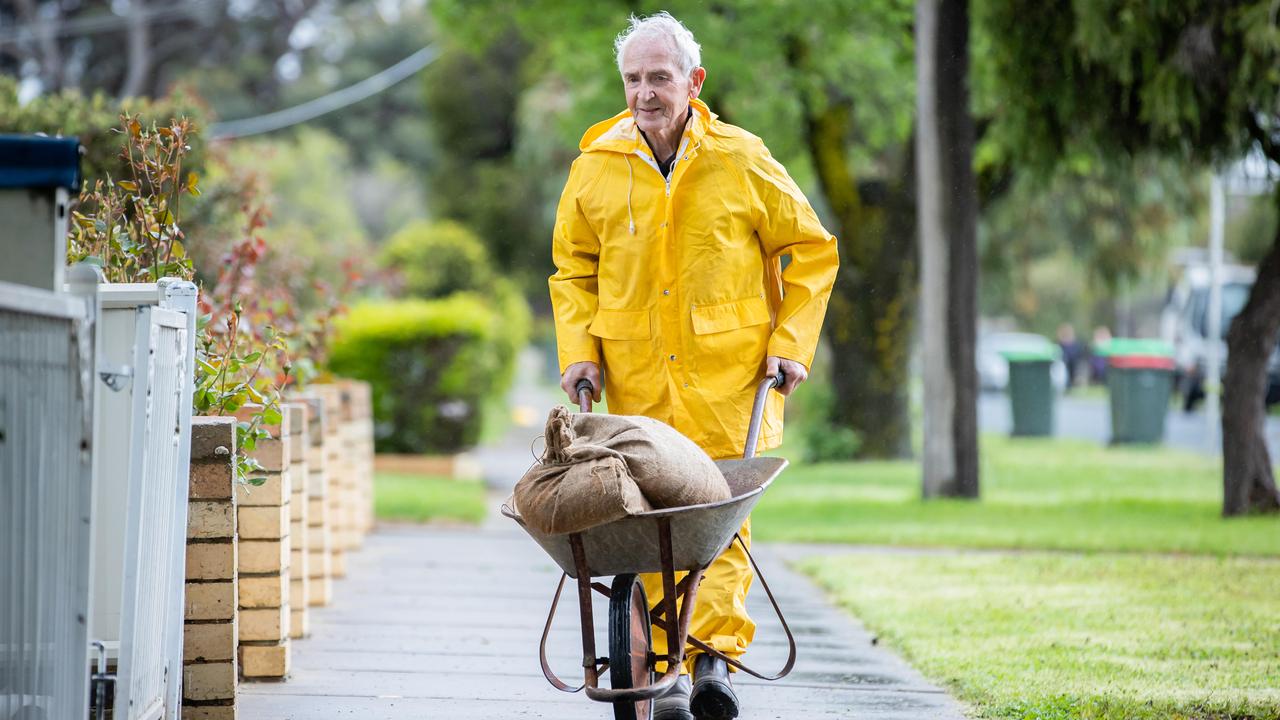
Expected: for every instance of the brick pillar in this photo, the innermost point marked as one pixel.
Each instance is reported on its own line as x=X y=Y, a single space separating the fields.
x=299 y=562
x=317 y=538
x=210 y=632
x=356 y=496
x=263 y=515
x=335 y=465
x=362 y=433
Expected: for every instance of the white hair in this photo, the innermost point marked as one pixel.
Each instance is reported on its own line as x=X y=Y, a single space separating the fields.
x=688 y=53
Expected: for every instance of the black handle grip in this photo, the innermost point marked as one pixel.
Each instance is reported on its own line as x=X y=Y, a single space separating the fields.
x=585 y=384
x=780 y=379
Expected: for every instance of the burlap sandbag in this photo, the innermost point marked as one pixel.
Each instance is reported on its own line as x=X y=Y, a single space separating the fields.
x=599 y=468
x=575 y=487
x=670 y=469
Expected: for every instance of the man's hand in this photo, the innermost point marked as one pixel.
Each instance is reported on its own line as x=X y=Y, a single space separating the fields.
x=579 y=371
x=796 y=372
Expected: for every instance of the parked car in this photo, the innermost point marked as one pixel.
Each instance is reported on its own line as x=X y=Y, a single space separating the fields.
x=1185 y=325
x=993 y=368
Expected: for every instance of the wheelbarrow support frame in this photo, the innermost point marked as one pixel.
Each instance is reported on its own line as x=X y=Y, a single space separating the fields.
x=675 y=624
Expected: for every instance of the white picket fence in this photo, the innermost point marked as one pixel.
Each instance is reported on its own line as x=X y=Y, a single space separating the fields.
x=95 y=433
x=142 y=490
x=46 y=483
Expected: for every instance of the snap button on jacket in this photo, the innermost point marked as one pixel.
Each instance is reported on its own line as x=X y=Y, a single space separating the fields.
x=675 y=286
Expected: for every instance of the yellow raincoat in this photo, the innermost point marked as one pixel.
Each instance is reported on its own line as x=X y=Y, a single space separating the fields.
x=674 y=287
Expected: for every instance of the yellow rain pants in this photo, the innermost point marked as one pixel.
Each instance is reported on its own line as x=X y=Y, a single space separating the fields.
x=720 y=617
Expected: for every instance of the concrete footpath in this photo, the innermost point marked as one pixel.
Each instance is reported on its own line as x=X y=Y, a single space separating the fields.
x=445 y=623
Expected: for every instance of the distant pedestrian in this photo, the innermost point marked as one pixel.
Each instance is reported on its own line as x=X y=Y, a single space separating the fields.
x=1072 y=351
x=1097 y=356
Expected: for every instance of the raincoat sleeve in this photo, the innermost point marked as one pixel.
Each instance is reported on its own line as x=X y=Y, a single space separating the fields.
x=575 y=249
x=787 y=225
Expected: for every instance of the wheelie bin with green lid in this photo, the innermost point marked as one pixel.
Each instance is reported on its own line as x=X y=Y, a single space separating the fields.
x=1031 y=394
x=1139 y=381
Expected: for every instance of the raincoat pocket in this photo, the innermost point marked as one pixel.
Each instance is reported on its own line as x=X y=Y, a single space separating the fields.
x=710 y=319
x=620 y=324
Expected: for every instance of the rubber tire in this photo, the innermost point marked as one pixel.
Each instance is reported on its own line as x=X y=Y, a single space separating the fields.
x=629 y=622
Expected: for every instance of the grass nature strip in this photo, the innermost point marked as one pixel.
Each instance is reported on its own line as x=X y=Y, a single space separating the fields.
x=1049 y=636
x=1036 y=494
x=424 y=498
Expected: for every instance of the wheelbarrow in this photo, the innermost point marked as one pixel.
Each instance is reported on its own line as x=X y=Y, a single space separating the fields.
x=665 y=541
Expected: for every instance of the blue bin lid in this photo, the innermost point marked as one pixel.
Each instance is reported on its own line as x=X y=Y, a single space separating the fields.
x=33 y=161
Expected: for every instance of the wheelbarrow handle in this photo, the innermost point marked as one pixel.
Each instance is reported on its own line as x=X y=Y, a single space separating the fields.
x=585 y=391
x=757 y=411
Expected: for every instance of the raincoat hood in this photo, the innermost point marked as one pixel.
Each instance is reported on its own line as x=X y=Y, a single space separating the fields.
x=620 y=134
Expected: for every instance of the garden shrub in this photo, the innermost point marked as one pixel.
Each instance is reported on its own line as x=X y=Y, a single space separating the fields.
x=93 y=120
x=431 y=364
x=437 y=259
x=441 y=259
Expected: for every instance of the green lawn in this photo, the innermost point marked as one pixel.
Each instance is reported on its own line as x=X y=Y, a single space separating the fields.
x=1036 y=494
x=1049 y=636
x=422 y=498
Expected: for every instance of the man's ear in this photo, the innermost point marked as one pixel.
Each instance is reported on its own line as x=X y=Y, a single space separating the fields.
x=696 y=78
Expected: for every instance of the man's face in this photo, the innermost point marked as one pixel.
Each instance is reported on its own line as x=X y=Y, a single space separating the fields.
x=658 y=93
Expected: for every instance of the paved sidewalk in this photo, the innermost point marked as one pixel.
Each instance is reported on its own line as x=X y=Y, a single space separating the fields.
x=444 y=623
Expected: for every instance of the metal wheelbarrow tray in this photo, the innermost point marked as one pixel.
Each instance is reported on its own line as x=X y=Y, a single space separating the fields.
x=663 y=541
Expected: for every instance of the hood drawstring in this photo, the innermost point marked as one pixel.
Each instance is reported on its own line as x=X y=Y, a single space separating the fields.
x=630 y=182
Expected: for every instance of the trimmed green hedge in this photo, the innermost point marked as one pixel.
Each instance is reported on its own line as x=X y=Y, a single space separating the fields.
x=431 y=364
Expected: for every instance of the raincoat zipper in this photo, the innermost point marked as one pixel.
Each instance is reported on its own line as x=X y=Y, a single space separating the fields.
x=684 y=143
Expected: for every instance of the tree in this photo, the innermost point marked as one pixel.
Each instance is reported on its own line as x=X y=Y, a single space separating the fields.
x=1080 y=244
x=478 y=178
x=78 y=45
x=1193 y=80
x=829 y=89
x=948 y=212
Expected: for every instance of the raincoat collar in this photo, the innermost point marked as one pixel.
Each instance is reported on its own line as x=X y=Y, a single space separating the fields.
x=620 y=134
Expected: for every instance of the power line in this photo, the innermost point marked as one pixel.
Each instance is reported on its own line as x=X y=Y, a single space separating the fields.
x=76 y=27
x=325 y=104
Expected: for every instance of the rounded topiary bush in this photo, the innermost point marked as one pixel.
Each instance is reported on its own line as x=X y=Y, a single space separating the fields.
x=431 y=365
x=438 y=259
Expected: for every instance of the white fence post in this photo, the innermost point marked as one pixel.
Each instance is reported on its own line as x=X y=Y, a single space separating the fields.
x=149 y=334
x=46 y=481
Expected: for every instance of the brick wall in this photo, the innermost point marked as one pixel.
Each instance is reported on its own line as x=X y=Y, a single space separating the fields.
x=263 y=513
x=299 y=562
x=210 y=633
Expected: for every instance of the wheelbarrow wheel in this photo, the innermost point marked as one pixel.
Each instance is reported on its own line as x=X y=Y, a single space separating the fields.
x=629 y=643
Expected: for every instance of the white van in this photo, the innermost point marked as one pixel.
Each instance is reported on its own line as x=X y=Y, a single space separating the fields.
x=1184 y=324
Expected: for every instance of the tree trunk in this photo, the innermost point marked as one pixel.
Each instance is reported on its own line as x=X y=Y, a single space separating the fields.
x=870 y=314
x=139 y=50
x=45 y=32
x=948 y=248
x=1248 y=482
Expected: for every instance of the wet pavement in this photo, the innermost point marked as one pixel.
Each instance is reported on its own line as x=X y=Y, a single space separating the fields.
x=445 y=623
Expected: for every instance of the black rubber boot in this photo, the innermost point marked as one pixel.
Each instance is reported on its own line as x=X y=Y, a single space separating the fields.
x=674 y=703
x=712 y=697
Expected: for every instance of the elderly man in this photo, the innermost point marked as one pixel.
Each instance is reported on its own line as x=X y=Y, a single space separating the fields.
x=669 y=285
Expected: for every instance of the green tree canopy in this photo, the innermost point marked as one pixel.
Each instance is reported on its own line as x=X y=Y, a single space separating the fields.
x=1194 y=80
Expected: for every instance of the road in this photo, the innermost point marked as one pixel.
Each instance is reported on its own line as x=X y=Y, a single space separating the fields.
x=1090 y=419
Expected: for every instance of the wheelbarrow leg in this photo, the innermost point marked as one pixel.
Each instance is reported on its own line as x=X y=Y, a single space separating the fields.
x=670 y=618
x=590 y=664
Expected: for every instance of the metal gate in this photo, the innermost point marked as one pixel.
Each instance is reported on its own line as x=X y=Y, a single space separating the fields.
x=155 y=542
x=46 y=498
